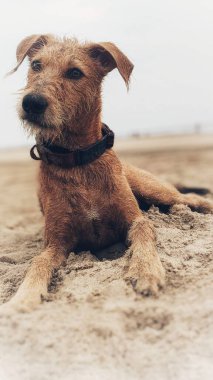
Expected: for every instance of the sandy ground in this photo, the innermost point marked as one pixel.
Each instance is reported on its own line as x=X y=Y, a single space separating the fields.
x=94 y=326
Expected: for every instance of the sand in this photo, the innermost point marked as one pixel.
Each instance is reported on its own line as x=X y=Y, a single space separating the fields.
x=93 y=326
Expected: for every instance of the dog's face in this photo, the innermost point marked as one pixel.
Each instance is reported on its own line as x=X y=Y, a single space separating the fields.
x=64 y=80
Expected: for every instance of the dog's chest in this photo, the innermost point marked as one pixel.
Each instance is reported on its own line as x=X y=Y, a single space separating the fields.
x=89 y=206
x=95 y=218
x=92 y=213
x=89 y=202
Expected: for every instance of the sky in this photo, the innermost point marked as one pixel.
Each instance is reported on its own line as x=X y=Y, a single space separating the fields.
x=170 y=43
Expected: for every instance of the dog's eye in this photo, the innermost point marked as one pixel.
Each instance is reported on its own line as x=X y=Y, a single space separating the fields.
x=74 y=74
x=36 y=66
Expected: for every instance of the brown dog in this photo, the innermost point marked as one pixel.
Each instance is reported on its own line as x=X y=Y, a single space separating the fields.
x=89 y=199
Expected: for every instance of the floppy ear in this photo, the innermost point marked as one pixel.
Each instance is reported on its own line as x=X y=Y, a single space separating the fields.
x=29 y=46
x=109 y=57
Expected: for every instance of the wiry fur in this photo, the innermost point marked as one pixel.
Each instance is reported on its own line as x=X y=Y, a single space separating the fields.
x=95 y=205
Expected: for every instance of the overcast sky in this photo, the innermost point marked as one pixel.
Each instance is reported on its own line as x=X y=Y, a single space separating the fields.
x=169 y=41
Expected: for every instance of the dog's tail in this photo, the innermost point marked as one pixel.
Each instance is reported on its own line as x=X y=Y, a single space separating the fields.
x=188 y=189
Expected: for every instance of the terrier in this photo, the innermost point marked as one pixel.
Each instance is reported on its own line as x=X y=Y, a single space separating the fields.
x=90 y=200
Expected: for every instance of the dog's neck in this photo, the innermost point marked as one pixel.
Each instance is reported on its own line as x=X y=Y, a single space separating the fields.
x=83 y=131
x=87 y=133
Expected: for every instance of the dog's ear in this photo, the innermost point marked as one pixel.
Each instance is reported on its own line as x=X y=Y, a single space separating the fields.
x=29 y=46
x=109 y=57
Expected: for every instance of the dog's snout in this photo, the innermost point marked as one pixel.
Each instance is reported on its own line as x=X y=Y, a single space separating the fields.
x=33 y=103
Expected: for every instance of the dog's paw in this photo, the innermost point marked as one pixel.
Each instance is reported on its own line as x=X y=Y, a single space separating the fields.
x=145 y=279
x=199 y=204
x=20 y=304
x=207 y=207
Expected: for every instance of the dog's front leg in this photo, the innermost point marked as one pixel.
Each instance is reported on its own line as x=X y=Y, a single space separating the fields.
x=36 y=282
x=145 y=272
x=59 y=241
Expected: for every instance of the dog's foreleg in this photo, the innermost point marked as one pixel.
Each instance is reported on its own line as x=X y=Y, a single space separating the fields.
x=145 y=272
x=36 y=282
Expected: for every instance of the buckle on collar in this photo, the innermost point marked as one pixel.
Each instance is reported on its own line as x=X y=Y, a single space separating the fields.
x=33 y=155
x=41 y=155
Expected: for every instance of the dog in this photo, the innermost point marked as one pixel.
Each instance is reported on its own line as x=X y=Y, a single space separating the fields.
x=90 y=200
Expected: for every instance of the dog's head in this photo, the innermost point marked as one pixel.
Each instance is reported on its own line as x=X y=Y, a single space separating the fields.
x=64 y=81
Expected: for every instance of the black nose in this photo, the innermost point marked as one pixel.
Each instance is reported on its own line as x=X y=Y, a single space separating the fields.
x=33 y=103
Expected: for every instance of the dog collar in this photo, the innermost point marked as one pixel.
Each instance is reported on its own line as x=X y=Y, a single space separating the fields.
x=65 y=158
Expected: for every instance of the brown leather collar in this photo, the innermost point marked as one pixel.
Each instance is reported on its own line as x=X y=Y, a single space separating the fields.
x=65 y=158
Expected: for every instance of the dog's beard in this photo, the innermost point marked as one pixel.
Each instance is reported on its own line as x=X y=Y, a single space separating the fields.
x=35 y=120
x=41 y=132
